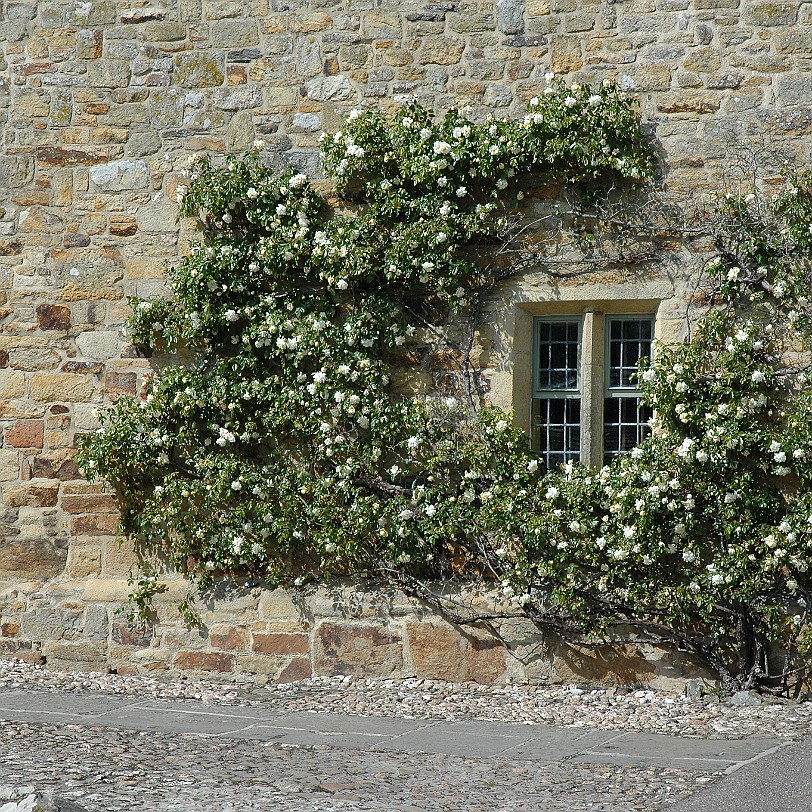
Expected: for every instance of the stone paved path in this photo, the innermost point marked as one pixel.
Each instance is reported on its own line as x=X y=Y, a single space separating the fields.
x=116 y=753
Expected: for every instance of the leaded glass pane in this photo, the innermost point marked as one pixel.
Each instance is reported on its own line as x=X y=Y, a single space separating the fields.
x=625 y=418
x=629 y=341
x=557 y=429
x=556 y=355
x=625 y=425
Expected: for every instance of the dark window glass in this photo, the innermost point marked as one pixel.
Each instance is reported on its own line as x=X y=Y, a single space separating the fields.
x=629 y=341
x=557 y=429
x=557 y=355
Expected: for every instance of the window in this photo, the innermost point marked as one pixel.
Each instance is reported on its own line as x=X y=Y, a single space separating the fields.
x=585 y=402
x=625 y=418
x=557 y=390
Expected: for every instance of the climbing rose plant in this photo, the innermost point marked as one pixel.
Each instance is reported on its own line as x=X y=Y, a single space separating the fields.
x=279 y=448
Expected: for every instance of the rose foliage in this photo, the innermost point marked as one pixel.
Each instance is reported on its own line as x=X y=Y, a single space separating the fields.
x=280 y=449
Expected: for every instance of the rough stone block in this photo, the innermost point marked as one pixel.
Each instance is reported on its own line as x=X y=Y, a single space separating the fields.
x=700 y=104
x=441 y=51
x=297 y=669
x=326 y=88
x=145 y=268
x=440 y=652
x=233 y=33
x=794 y=41
x=310 y=23
x=31 y=494
x=106 y=590
x=143 y=143
x=198 y=69
x=510 y=16
x=203 y=661
x=309 y=122
x=122 y=225
x=565 y=53
x=9 y=629
x=231 y=638
x=88 y=502
x=773 y=13
x=12 y=384
x=278 y=603
x=30 y=558
x=30 y=359
x=94 y=524
x=381 y=25
x=164 y=31
x=108 y=73
x=120 y=383
x=100 y=345
x=266 y=667
x=57 y=465
x=89 y=44
x=26 y=434
x=53 y=317
x=9 y=465
x=84 y=562
x=653 y=77
x=117 y=176
x=120 y=558
x=238 y=97
x=157 y=217
x=280 y=643
x=136 y=636
x=359 y=650
x=50 y=387
x=624 y=665
x=79 y=655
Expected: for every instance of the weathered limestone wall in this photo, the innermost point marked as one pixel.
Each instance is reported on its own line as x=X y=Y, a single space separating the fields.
x=101 y=103
x=285 y=636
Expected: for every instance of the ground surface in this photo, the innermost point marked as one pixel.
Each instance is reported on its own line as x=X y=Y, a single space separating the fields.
x=114 y=743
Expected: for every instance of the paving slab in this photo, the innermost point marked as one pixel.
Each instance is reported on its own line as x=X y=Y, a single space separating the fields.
x=163 y=721
x=542 y=744
x=438 y=739
x=349 y=723
x=309 y=738
x=42 y=702
x=224 y=711
x=551 y=744
x=654 y=750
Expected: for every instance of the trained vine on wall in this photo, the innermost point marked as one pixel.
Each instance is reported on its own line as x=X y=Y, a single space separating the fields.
x=281 y=450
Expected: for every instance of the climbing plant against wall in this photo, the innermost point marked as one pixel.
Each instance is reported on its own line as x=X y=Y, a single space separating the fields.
x=278 y=447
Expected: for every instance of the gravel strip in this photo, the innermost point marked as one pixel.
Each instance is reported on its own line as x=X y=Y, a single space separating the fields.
x=569 y=706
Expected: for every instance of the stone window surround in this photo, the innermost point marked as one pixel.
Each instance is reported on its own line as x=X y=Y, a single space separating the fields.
x=593 y=315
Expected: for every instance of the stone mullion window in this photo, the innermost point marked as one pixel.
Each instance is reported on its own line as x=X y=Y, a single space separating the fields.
x=584 y=401
x=556 y=418
x=625 y=417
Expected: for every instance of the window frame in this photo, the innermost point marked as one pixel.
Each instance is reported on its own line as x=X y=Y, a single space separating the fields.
x=618 y=392
x=594 y=365
x=565 y=394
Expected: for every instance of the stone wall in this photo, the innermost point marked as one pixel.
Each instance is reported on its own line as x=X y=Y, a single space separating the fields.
x=285 y=636
x=100 y=105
